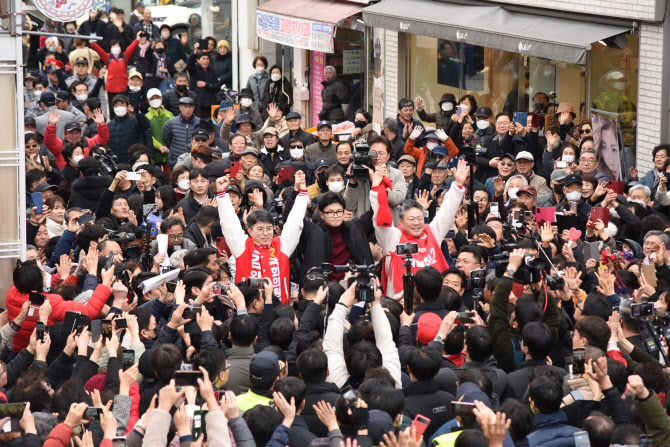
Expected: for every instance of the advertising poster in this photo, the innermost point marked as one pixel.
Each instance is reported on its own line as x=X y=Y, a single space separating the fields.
x=606 y=144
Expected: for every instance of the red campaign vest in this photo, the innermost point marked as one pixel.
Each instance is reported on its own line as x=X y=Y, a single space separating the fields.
x=429 y=254
x=265 y=262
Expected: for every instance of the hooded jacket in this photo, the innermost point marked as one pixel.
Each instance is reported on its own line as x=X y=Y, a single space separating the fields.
x=223 y=67
x=158 y=118
x=86 y=191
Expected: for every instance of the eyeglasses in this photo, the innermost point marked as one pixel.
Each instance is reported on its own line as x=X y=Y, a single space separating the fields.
x=583 y=131
x=175 y=237
x=32 y=146
x=201 y=140
x=411 y=220
x=266 y=230
x=296 y=147
x=336 y=213
x=506 y=164
x=588 y=160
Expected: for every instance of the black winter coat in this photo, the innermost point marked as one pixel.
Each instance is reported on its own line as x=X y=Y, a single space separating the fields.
x=223 y=67
x=190 y=206
x=316 y=392
x=123 y=133
x=280 y=92
x=86 y=191
x=333 y=96
x=171 y=100
x=207 y=94
x=426 y=399
x=316 y=244
x=306 y=137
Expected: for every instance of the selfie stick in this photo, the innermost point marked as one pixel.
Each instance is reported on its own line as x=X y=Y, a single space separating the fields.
x=408 y=284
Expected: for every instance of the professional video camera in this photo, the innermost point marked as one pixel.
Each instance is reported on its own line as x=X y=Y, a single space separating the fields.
x=476 y=282
x=529 y=272
x=361 y=160
x=470 y=151
x=121 y=237
x=362 y=275
x=108 y=161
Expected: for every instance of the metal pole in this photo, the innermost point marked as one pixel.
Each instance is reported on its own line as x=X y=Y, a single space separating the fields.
x=75 y=36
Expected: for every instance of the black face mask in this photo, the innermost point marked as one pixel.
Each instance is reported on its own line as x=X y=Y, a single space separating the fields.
x=181 y=88
x=360 y=124
x=558 y=189
x=160 y=50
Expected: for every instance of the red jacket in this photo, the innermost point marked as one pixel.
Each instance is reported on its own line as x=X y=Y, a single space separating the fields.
x=420 y=153
x=55 y=144
x=15 y=300
x=117 y=68
x=61 y=435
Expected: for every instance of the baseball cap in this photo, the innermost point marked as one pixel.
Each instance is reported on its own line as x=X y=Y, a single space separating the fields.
x=62 y=96
x=469 y=392
x=116 y=98
x=45 y=187
x=324 y=123
x=250 y=151
x=572 y=178
x=201 y=133
x=264 y=366
x=440 y=150
x=51 y=69
x=293 y=116
x=233 y=188
x=139 y=5
x=47 y=98
x=528 y=189
x=507 y=155
x=428 y=325
x=135 y=73
x=186 y=100
x=441 y=165
x=558 y=174
x=271 y=131
x=81 y=60
x=525 y=155
x=154 y=92
x=29 y=121
x=31 y=75
x=408 y=158
x=485 y=112
x=321 y=163
x=225 y=105
x=72 y=126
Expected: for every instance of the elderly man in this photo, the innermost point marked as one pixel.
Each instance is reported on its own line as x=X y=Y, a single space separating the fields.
x=524 y=166
x=357 y=195
x=324 y=148
x=554 y=197
x=588 y=164
x=147 y=26
x=506 y=167
x=293 y=122
x=333 y=96
x=178 y=131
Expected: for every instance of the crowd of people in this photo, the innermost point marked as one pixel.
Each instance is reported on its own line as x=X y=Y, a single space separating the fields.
x=200 y=271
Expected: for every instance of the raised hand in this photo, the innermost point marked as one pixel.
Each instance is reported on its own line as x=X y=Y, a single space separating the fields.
x=222 y=183
x=605 y=281
x=441 y=134
x=419 y=103
x=230 y=115
x=272 y=111
x=462 y=173
x=300 y=182
x=422 y=198
x=416 y=133
x=54 y=117
x=98 y=117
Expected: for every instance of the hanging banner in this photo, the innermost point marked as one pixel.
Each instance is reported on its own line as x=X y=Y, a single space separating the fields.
x=317 y=63
x=294 y=32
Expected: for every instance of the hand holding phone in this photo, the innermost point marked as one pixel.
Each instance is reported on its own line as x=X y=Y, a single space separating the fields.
x=234 y=169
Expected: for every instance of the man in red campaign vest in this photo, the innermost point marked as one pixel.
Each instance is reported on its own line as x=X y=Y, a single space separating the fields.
x=412 y=228
x=263 y=255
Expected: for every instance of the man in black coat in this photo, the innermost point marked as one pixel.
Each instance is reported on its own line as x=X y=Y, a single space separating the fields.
x=333 y=239
x=86 y=191
x=293 y=122
x=312 y=365
x=428 y=282
x=294 y=388
x=171 y=97
x=119 y=30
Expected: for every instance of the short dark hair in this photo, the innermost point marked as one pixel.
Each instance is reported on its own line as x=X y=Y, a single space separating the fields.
x=212 y=359
x=88 y=166
x=539 y=339
x=454 y=342
x=424 y=362
x=455 y=271
x=199 y=257
x=471 y=437
x=250 y=295
x=89 y=234
x=526 y=311
x=546 y=393
x=361 y=357
x=428 y=283
x=329 y=198
x=243 y=330
x=383 y=140
x=335 y=170
x=194 y=276
x=522 y=418
x=281 y=332
x=259 y=216
x=485 y=229
x=312 y=365
x=143 y=315
x=195 y=173
x=479 y=343
x=292 y=387
x=450 y=299
x=262 y=422
x=595 y=330
x=474 y=250
x=405 y=102
x=596 y=305
x=165 y=360
x=172 y=222
x=265 y=62
x=626 y=434
x=27 y=276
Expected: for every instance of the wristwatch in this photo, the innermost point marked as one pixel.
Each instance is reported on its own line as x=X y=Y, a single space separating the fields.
x=510 y=272
x=439 y=338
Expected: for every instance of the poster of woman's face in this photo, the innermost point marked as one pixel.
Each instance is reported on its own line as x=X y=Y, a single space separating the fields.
x=606 y=144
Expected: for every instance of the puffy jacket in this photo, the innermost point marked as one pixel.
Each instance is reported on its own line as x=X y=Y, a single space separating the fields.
x=171 y=100
x=420 y=154
x=552 y=430
x=86 y=191
x=117 y=68
x=441 y=118
x=123 y=133
x=55 y=144
x=177 y=135
x=158 y=118
x=424 y=397
x=15 y=300
x=189 y=206
x=333 y=96
x=257 y=85
x=223 y=67
x=206 y=94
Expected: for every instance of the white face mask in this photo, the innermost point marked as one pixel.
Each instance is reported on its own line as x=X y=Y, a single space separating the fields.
x=184 y=185
x=296 y=154
x=618 y=86
x=134 y=88
x=76 y=159
x=106 y=20
x=482 y=125
x=246 y=102
x=260 y=70
x=155 y=103
x=511 y=193
x=568 y=158
x=275 y=77
x=120 y=111
x=465 y=108
x=447 y=106
x=644 y=205
x=116 y=51
x=82 y=97
x=38 y=93
x=335 y=187
x=431 y=145
x=574 y=196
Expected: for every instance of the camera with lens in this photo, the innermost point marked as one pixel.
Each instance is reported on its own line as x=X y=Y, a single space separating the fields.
x=365 y=287
x=641 y=310
x=278 y=220
x=361 y=161
x=108 y=162
x=555 y=282
x=121 y=237
x=470 y=152
x=529 y=272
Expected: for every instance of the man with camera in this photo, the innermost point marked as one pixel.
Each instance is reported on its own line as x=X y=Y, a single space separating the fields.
x=357 y=195
x=413 y=230
x=263 y=255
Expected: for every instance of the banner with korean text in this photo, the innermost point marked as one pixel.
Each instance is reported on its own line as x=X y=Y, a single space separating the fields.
x=295 y=32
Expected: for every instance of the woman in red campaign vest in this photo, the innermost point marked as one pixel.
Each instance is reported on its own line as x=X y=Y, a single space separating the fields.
x=263 y=255
x=413 y=229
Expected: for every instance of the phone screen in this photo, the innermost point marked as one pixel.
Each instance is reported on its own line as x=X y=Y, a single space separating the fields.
x=582 y=439
x=578 y=361
x=15 y=412
x=36 y=298
x=128 y=359
x=187 y=378
x=494 y=207
x=93 y=414
x=39 y=327
x=84 y=219
x=106 y=329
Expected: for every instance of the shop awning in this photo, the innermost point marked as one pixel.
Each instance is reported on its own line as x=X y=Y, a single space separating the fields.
x=492 y=26
x=308 y=24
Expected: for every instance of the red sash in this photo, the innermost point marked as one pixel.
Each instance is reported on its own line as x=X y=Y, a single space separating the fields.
x=265 y=262
x=429 y=254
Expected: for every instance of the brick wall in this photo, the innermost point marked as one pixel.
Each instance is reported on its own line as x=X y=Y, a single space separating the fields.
x=627 y=9
x=649 y=94
x=390 y=64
